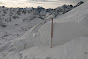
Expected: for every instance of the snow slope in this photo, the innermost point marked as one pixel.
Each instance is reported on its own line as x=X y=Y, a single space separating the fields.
x=70 y=40
x=66 y=27
x=14 y=22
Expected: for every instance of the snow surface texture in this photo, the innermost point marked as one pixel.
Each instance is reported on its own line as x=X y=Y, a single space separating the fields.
x=70 y=40
x=14 y=22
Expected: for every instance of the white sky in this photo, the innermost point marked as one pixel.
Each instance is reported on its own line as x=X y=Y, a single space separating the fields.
x=35 y=3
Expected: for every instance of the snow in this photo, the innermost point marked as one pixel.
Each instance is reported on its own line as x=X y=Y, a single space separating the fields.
x=74 y=49
x=70 y=40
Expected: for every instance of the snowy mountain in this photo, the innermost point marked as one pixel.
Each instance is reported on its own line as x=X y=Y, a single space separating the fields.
x=25 y=32
x=14 y=22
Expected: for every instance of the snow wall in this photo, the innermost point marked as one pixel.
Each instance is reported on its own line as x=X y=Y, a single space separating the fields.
x=62 y=32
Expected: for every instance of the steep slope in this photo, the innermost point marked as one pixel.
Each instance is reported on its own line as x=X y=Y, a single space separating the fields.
x=66 y=27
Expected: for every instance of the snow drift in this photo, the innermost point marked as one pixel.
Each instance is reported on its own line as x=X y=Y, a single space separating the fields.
x=70 y=38
x=66 y=27
x=63 y=32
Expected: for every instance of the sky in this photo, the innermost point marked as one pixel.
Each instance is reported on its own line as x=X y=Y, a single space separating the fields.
x=35 y=3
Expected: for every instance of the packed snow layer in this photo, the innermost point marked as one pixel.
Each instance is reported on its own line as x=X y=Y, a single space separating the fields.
x=70 y=38
x=63 y=32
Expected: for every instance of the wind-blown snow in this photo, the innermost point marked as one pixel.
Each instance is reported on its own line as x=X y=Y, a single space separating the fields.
x=70 y=40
